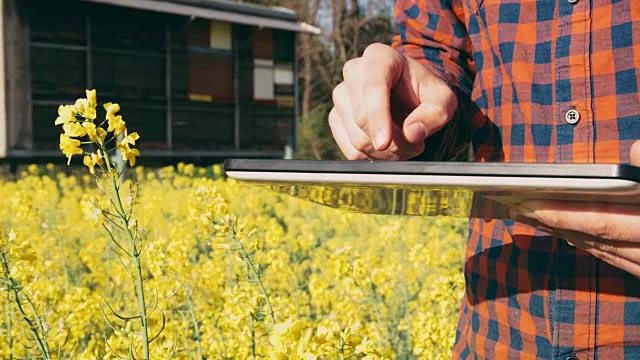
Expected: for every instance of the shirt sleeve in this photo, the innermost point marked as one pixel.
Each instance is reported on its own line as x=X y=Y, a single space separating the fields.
x=433 y=32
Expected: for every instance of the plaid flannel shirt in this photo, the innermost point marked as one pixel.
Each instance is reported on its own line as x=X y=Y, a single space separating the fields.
x=545 y=81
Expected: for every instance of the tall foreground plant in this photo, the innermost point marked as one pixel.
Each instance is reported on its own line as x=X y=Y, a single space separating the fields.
x=85 y=135
x=17 y=274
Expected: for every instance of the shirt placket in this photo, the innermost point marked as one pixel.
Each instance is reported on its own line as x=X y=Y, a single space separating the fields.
x=575 y=298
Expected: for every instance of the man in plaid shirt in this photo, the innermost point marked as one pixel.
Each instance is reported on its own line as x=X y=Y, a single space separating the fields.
x=540 y=81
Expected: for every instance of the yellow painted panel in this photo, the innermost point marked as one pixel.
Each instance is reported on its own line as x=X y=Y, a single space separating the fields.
x=200 y=97
x=285 y=101
x=220 y=35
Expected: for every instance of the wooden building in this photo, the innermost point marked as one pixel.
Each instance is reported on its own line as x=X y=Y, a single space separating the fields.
x=198 y=79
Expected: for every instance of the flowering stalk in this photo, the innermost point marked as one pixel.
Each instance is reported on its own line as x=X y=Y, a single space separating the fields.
x=196 y=328
x=255 y=272
x=15 y=293
x=117 y=215
x=9 y=326
x=136 y=255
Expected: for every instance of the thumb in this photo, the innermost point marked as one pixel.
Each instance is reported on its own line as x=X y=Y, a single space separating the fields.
x=635 y=153
x=424 y=121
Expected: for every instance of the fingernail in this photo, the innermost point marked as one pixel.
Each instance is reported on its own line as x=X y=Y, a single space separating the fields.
x=379 y=139
x=416 y=132
x=564 y=236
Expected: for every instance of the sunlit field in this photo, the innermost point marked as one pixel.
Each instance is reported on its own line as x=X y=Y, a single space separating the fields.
x=230 y=271
x=109 y=262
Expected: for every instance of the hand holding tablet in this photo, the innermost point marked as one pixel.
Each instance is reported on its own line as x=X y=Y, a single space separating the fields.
x=609 y=231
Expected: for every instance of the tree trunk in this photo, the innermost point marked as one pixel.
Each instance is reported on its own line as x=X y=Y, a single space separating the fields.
x=307 y=76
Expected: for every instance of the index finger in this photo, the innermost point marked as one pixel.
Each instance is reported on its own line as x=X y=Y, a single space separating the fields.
x=383 y=67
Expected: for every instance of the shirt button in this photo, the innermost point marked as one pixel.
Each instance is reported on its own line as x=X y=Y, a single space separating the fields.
x=572 y=357
x=572 y=116
x=572 y=1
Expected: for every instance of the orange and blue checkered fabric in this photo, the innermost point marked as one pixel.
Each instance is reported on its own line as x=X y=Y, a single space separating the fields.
x=521 y=66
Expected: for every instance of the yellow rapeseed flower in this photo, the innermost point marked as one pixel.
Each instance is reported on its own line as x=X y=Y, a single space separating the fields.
x=323 y=335
x=93 y=131
x=130 y=156
x=84 y=108
x=111 y=108
x=74 y=129
x=116 y=124
x=87 y=107
x=129 y=139
x=66 y=114
x=286 y=332
x=92 y=160
x=33 y=169
x=70 y=147
x=92 y=98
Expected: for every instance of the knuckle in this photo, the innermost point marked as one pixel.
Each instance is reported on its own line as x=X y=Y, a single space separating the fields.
x=338 y=94
x=362 y=143
x=349 y=70
x=333 y=117
x=361 y=117
x=376 y=49
x=439 y=112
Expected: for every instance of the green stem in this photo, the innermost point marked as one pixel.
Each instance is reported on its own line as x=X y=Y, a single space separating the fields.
x=39 y=323
x=136 y=254
x=196 y=328
x=9 y=326
x=246 y=257
x=185 y=337
x=143 y=308
x=253 y=338
x=32 y=327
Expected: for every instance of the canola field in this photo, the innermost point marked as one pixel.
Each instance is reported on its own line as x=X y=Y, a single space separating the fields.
x=181 y=263
x=230 y=271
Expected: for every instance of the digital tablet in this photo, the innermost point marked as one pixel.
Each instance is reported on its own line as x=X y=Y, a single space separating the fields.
x=437 y=188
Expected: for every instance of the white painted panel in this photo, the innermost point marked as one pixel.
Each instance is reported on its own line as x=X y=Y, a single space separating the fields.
x=263 y=87
x=263 y=62
x=283 y=75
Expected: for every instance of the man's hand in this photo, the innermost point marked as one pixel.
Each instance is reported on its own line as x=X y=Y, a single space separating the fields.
x=607 y=231
x=388 y=105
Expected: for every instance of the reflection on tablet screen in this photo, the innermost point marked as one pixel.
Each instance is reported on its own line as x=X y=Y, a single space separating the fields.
x=383 y=200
